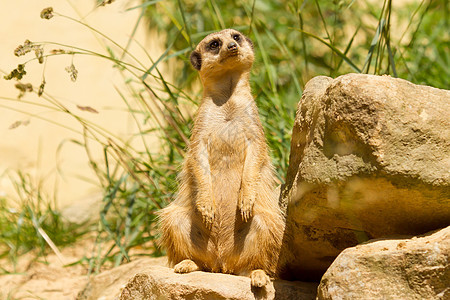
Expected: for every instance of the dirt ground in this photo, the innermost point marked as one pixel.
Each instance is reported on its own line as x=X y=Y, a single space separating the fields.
x=47 y=278
x=63 y=276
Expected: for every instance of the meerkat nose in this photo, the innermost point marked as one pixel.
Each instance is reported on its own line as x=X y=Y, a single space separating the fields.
x=232 y=46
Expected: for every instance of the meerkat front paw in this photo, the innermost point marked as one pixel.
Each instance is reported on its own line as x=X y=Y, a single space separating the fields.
x=246 y=202
x=259 y=278
x=186 y=266
x=207 y=212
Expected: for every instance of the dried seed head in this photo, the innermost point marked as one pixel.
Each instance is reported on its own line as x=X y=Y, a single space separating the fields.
x=88 y=109
x=17 y=73
x=47 y=13
x=104 y=2
x=18 y=123
x=24 y=49
x=73 y=72
x=23 y=88
x=58 y=51
x=39 y=51
x=15 y=125
x=20 y=51
x=28 y=47
x=41 y=87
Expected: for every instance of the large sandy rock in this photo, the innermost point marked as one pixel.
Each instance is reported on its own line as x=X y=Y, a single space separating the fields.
x=417 y=268
x=370 y=158
x=148 y=279
x=163 y=283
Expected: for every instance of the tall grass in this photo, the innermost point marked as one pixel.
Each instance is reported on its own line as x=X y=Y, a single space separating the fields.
x=136 y=182
x=294 y=41
x=34 y=224
x=297 y=40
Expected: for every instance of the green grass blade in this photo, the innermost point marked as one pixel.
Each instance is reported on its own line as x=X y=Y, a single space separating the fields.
x=144 y=5
x=334 y=49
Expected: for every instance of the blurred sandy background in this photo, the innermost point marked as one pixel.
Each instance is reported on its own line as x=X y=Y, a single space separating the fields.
x=42 y=149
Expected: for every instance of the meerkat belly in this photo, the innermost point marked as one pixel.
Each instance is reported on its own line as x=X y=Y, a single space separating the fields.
x=226 y=158
x=226 y=149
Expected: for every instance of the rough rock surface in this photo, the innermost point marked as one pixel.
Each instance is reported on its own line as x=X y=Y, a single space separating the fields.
x=417 y=268
x=148 y=278
x=370 y=158
x=108 y=284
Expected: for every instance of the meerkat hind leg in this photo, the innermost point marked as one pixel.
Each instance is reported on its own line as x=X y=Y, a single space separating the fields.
x=259 y=278
x=186 y=266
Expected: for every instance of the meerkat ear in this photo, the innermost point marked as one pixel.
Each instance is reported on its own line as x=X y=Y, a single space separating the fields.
x=196 y=60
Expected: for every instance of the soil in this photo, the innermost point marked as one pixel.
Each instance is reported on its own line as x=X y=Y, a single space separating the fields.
x=46 y=277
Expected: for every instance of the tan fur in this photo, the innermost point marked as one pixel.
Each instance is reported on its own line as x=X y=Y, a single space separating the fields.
x=225 y=217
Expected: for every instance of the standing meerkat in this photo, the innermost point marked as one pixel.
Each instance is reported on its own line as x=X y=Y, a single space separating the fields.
x=225 y=217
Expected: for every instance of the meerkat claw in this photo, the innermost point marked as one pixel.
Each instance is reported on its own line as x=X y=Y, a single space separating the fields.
x=208 y=221
x=246 y=210
x=207 y=213
x=244 y=215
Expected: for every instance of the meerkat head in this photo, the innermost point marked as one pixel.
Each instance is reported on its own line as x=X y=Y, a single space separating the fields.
x=226 y=50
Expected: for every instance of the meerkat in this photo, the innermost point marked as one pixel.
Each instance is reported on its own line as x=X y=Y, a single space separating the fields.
x=225 y=217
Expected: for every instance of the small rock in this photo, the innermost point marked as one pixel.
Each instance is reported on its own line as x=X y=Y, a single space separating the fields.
x=418 y=269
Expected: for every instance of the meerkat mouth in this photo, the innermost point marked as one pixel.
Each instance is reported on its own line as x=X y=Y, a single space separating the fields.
x=230 y=54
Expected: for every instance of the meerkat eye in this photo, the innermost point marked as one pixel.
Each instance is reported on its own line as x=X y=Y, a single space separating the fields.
x=214 y=44
x=236 y=37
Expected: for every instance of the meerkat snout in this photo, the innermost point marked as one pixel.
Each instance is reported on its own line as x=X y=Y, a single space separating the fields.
x=232 y=46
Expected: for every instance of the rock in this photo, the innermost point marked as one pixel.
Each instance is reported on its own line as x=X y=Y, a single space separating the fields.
x=148 y=278
x=108 y=284
x=163 y=282
x=370 y=158
x=417 y=268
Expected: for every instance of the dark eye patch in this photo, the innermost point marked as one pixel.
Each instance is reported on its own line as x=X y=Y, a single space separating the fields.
x=214 y=44
x=236 y=37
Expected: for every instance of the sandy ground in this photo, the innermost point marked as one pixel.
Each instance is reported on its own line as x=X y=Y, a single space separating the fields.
x=46 y=278
x=59 y=277
x=42 y=149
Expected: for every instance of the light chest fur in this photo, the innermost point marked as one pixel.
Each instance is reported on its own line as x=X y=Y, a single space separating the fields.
x=228 y=130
